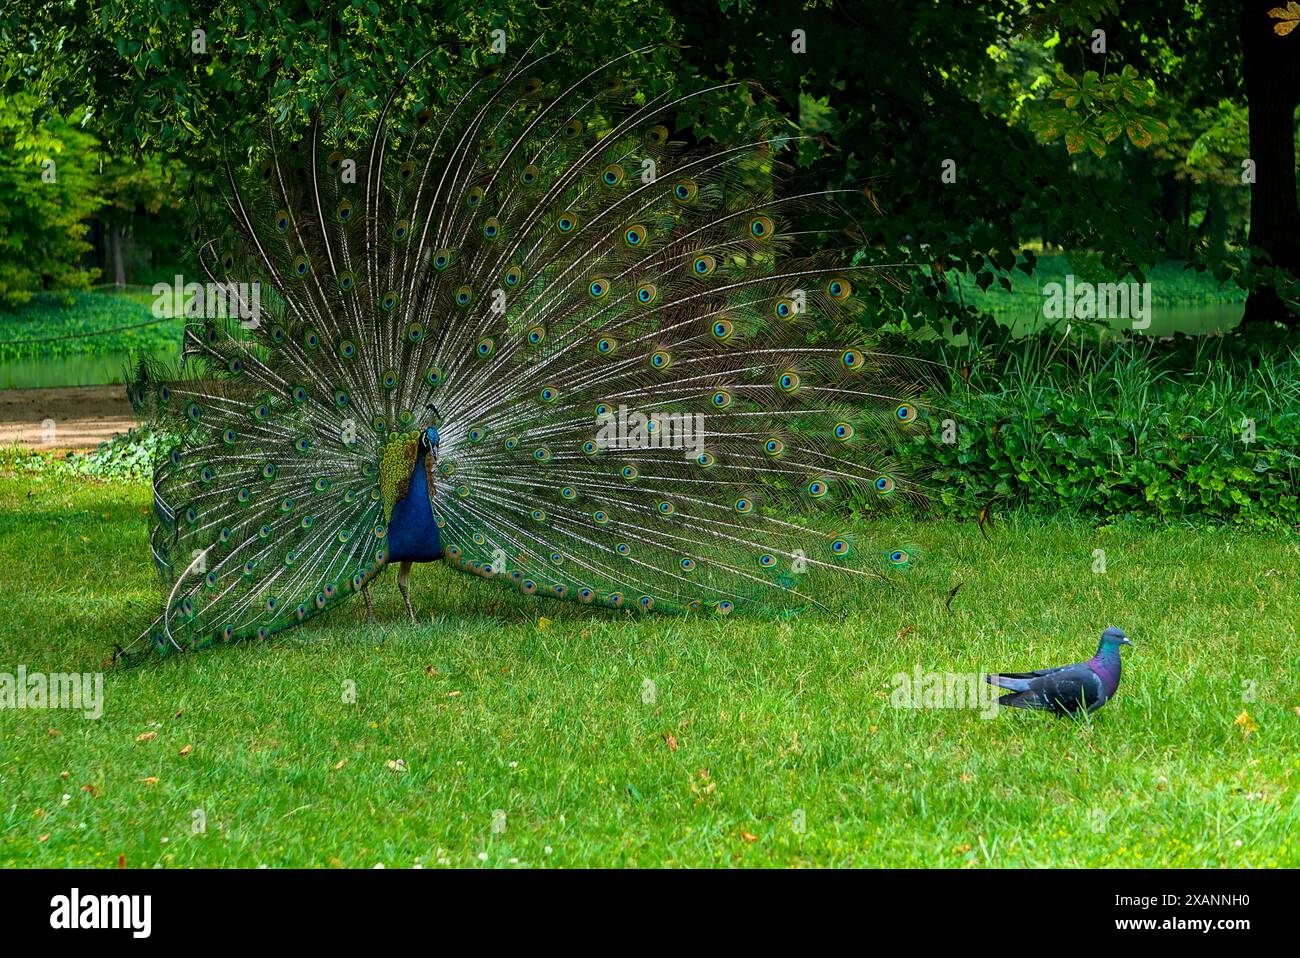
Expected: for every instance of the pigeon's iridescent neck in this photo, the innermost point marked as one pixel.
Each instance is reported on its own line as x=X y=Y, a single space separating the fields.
x=1107 y=664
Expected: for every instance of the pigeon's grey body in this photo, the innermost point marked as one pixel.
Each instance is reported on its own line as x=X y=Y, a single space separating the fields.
x=1067 y=689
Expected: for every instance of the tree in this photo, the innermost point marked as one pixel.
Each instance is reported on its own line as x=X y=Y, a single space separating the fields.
x=48 y=189
x=1271 y=68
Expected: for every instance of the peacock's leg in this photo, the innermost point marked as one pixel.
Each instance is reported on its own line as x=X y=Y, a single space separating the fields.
x=370 y=609
x=403 y=574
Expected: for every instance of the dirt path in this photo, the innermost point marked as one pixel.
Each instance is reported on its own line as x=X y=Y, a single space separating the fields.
x=67 y=417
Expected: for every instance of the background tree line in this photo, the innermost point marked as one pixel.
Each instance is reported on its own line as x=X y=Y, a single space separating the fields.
x=975 y=132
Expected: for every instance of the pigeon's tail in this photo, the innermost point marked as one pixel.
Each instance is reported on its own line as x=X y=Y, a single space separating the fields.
x=1015 y=684
x=1021 y=700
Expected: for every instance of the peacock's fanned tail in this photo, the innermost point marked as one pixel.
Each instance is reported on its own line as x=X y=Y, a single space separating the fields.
x=644 y=399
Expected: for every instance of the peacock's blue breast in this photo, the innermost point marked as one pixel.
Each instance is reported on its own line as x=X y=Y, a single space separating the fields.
x=412 y=531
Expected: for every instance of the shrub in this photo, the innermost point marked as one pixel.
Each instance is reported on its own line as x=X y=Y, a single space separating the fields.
x=1126 y=432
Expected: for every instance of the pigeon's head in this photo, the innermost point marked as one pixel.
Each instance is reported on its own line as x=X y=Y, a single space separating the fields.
x=1113 y=638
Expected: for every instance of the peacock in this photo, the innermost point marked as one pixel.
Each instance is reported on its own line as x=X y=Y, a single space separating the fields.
x=517 y=326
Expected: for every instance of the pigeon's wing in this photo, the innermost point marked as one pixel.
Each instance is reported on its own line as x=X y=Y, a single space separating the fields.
x=1067 y=689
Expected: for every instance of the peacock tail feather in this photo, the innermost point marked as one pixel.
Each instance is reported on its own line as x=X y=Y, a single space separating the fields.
x=644 y=398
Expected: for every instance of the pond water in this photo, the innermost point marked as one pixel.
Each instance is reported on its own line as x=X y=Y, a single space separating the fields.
x=68 y=370
x=111 y=367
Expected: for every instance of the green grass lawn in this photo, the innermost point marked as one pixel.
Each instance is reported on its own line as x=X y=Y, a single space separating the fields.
x=526 y=738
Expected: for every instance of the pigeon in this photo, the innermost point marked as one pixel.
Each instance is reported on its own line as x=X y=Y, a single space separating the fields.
x=1067 y=689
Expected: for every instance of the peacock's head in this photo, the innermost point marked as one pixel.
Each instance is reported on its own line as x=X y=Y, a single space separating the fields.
x=429 y=439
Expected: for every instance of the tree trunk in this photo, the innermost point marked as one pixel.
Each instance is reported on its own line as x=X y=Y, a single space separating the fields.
x=1270 y=66
x=119 y=261
x=1214 y=228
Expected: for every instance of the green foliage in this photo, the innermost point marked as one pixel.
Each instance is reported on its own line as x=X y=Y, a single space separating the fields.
x=1095 y=111
x=78 y=324
x=161 y=85
x=1123 y=433
x=128 y=455
x=46 y=189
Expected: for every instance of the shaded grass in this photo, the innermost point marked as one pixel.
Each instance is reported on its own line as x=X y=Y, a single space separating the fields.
x=774 y=722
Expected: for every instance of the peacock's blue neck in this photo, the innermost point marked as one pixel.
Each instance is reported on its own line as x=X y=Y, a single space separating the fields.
x=412 y=532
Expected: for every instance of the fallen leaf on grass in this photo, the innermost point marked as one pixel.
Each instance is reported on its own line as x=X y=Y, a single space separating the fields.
x=396 y=764
x=748 y=837
x=339 y=764
x=1246 y=724
x=146 y=736
x=94 y=792
x=186 y=750
x=44 y=838
x=151 y=780
x=672 y=742
x=453 y=695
